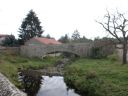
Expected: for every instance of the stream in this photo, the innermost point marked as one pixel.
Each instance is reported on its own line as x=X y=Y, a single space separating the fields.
x=55 y=86
x=35 y=84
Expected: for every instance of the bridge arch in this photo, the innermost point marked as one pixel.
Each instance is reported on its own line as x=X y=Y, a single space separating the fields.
x=63 y=53
x=80 y=49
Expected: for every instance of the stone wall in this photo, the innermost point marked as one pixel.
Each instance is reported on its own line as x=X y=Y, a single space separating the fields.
x=8 y=89
x=119 y=51
x=10 y=50
x=80 y=49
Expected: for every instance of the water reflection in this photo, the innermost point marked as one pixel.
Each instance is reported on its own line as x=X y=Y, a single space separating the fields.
x=31 y=84
x=55 y=86
x=35 y=85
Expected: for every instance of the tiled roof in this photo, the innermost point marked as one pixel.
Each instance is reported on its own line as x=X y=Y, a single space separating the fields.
x=47 y=41
x=3 y=35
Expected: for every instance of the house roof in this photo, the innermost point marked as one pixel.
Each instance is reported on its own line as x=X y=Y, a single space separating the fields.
x=47 y=40
x=3 y=35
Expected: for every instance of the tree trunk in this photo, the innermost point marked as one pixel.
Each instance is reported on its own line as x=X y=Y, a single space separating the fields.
x=124 y=53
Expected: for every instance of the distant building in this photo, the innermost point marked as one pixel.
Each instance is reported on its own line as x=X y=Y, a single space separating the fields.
x=2 y=37
x=44 y=42
x=41 y=40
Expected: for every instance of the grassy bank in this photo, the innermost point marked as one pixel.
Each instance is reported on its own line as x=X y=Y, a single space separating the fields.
x=93 y=77
x=9 y=63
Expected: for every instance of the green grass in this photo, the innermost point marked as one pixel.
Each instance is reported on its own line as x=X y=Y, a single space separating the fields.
x=91 y=77
x=98 y=77
x=9 y=64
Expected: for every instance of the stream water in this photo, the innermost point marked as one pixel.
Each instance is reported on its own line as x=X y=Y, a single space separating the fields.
x=35 y=85
x=55 y=86
x=45 y=86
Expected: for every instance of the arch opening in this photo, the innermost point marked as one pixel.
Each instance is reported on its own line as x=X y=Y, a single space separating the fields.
x=64 y=54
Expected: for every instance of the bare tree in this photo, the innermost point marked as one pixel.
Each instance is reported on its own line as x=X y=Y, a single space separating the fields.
x=117 y=25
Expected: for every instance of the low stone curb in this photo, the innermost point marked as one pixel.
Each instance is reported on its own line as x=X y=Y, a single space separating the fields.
x=8 y=89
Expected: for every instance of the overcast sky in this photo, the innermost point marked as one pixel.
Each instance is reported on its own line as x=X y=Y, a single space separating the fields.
x=59 y=17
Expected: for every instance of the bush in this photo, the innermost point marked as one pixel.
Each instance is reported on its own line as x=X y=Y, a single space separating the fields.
x=97 y=53
x=102 y=48
x=91 y=75
x=10 y=41
x=113 y=57
x=84 y=83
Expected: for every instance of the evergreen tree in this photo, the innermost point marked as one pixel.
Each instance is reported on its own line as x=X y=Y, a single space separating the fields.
x=64 y=39
x=30 y=27
x=10 y=41
x=84 y=40
x=75 y=35
x=48 y=36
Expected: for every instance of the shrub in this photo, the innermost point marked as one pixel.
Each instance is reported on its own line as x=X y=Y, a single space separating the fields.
x=84 y=83
x=113 y=57
x=97 y=53
x=10 y=41
x=102 y=48
x=91 y=75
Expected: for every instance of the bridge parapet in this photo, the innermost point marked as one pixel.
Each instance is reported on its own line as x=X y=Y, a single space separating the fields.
x=80 y=49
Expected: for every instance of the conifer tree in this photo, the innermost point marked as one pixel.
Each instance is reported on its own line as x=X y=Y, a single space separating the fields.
x=75 y=35
x=30 y=27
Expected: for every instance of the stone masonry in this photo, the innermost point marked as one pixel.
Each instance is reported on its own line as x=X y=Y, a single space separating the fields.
x=8 y=89
x=80 y=49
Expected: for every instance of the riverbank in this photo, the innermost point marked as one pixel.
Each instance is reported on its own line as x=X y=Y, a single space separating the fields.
x=90 y=77
x=9 y=64
x=98 y=77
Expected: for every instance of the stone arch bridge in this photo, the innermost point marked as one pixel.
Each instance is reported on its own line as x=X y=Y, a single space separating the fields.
x=80 y=49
